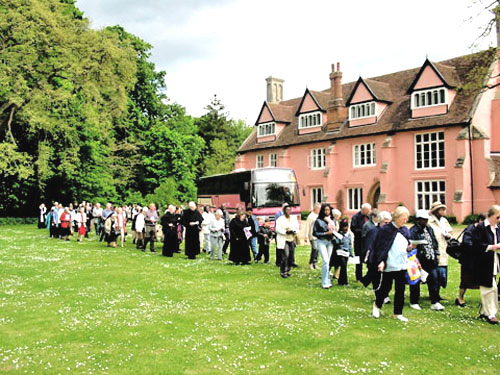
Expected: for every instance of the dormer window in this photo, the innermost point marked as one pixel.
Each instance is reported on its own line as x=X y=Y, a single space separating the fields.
x=429 y=98
x=266 y=129
x=309 y=120
x=362 y=110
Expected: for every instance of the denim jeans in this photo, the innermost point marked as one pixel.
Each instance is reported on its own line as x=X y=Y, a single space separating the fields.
x=443 y=276
x=313 y=259
x=253 y=246
x=432 y=285
x=325 y=248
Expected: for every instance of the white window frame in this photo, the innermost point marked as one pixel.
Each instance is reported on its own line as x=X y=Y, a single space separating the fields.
x=317 y=158
x=369 y=108
x=273 y=159
x=424 y=94
x=310 y=120
x=354 y=198
x=437 y=192
x=314 y=195
x=369 y=151
x=259 y=161
x=429 y=152
x=266 y=129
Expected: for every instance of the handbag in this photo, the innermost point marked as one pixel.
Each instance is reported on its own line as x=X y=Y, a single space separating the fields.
x=413 y=272
x=454 y=248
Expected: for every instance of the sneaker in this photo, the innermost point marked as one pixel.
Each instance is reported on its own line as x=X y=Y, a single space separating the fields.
x=437 y=306
x=416 y=306
x=375 y=311
x=401 y=318
x=387 y=300
x=311 y=266
x=327 y=286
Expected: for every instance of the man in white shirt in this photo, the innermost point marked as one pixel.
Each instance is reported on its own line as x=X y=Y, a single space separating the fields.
x=311 y=218
x=287 y=228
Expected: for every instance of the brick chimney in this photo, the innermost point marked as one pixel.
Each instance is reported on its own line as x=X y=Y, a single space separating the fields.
x=337 y=111
x=274 y=89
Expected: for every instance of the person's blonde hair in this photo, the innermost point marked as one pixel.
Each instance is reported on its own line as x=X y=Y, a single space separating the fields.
x=494 y=210
x=399 y=211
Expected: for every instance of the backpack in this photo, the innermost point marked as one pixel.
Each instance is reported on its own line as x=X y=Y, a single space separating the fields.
x=108 y=224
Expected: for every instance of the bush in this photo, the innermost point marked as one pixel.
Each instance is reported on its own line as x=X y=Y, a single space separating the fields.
x=304 y=215
x=18 y=220
x=470 y=219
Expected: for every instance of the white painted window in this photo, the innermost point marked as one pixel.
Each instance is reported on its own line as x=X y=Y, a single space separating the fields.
x=429 y=150
x=364 y=155
x=260 y=161
x=269 y=128
x=316 y=196
x=362 y=110
x=273 y=160
x=354 y=199
x=317 y=159
x=309 y=120
x=427 y=192
x=429 y=98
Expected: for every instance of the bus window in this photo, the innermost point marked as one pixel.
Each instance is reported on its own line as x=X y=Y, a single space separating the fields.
x=274 y=194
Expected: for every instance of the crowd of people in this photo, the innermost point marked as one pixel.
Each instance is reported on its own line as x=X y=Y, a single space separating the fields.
x=379 y=243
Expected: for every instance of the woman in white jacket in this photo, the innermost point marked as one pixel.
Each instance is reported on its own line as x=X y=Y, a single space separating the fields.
x=287 y=228
x=140 y=223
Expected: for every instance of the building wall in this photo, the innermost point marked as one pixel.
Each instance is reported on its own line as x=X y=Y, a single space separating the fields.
x=394 y=171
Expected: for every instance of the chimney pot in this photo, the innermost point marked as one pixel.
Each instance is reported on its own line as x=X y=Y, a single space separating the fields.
x=338 y=67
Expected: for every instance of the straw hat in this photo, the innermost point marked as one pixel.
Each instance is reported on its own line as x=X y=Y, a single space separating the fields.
x=436 y=206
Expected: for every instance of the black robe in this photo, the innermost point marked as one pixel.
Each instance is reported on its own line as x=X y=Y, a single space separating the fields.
x=169 y=224
x=240 y=249
x=192 y=240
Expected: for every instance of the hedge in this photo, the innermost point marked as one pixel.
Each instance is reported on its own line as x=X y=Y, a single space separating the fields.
x=18 y=220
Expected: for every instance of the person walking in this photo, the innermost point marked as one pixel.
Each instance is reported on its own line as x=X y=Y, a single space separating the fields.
x=150 y=219
x=344 y=250
x=265 y=235
x=121 y=224
x=357 y=223
x=65 y=227
x=208 y=217
x=389 y=256
x=169 y=223
x=81 y=223
x=486 y=247
x=240 y=236
x=140 y=227
x=466 y=261
x=42 y=216
x=254 y=229
x=287 y=228
x=227 y=232
x=191 y=220
x=217 y=227
x=428 y=255
x=323 y=232
x=309 y=236
x=442 y=230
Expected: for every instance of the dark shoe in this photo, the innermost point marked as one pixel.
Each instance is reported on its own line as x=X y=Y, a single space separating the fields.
x=442 y=298
x=295 y=265
x=492 y=321
x=457 y=302
x=284 y=275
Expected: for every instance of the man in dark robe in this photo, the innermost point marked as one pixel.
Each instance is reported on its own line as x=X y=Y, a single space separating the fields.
x=191 y=220
x=169 y=223
x=240 y=234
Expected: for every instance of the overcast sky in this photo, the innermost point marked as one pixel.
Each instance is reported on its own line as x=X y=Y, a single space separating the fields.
x=229 y=47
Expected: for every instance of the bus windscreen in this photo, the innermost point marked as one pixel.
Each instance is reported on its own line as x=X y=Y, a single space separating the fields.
x=266 y=194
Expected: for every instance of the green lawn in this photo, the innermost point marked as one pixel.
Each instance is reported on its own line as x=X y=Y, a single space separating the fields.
x=71 y=308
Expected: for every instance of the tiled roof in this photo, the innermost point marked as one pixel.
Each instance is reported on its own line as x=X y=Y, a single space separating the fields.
x=397 y=116
x=495 y=168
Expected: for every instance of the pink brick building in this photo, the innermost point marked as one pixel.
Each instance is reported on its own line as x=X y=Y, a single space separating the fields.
x=413 y=137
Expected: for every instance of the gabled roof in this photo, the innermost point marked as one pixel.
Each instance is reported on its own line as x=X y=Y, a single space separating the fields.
x=445 y=72
x=279 y=113
x=307 y=92
x=397 y=116
x=381 y=91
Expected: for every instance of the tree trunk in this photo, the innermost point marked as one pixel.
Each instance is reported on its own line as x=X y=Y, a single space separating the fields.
x=9 y=123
